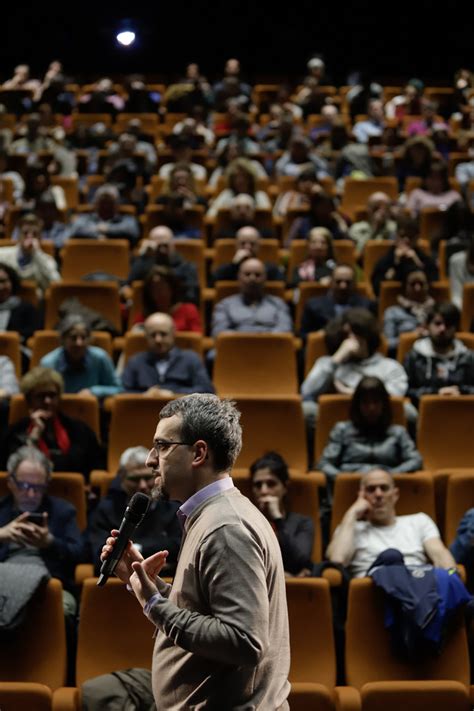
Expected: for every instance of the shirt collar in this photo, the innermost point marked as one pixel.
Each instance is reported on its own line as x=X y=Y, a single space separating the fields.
x=191 y=504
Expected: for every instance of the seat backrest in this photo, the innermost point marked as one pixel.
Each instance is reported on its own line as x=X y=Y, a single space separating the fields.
x=416 y=494
x=445 y=431
x=270 y=423
x=43 y=342
x=459 y=498
x=157 y=215
x=65 y=485
x=193 y=251
x=357 y=192
x=133 y=422
x=37 y=651
x=432 y=695
x=313 y=657
x=335 y=408
x=10 y=346
x=124 y=637
x=255 y=364
x=81 y=407
x=82 y=256
x=374 y=250
x=369 y=656
x=25 y=696
x=102 y=297
x=344 y=253
x=302 y=497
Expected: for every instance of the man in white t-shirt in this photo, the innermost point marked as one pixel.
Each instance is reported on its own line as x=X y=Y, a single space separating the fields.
x=371 y=525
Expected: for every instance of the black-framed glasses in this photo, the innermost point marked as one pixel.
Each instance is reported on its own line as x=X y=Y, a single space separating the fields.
x=160 y=446
x=27 y=486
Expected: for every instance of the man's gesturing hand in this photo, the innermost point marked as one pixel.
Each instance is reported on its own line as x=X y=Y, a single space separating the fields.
x=146 y=575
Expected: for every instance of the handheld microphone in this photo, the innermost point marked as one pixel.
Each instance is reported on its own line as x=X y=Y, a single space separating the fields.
x=133 y=516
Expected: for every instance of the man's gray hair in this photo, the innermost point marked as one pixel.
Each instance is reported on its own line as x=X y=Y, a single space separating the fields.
x=135 y=456
x=28 y=454
x=215 y=421
x=107 y=189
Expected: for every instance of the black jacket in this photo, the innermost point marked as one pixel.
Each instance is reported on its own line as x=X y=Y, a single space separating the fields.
x=185 y=271
x=84 y=454
x=321 y=309
x=25 y=319
x=185 y=374
x=428 y=372
x=388 y=262
x=159 y=530
x=67 y=549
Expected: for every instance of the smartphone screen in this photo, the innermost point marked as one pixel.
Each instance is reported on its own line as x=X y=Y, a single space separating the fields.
x=36 y=518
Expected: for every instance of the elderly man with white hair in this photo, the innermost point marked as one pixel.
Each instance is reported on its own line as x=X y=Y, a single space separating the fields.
x=379 y=223
x=106 y=222
x=159 y=529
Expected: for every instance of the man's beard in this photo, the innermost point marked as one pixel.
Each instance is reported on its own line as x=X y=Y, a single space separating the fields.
x=159 y=493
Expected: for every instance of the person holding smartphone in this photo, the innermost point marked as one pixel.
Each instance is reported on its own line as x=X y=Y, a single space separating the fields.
x=37 y=529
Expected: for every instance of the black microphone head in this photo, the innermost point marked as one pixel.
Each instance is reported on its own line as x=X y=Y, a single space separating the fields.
x=137 y=507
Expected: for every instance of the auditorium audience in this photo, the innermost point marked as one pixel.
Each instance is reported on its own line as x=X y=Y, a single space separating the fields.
x=162 y=291
x=27 y=258
x=319 y=263
x=369 y=439
x=461 y=271
x=440 y=363
x=35 y=550
x=68 y=442
x=86 y=369
x=106 y=221
x=270 y=482
x=435 y=191
x=241 y=179
x=247 y=244
x=379 y=223
x=165 y=369
x=403 y=256
x=410 y=312
x=159 y=249
x=159 y=530
x=342 y=295
x=251 y=310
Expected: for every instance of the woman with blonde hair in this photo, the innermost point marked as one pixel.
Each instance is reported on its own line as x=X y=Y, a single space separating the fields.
x=240 y=179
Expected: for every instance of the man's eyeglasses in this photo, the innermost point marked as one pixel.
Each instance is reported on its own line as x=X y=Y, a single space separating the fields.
x=160 y=446
x=27 y=486
x=372 y=488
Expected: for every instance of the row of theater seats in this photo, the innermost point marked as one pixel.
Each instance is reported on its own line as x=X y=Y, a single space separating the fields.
x=123 y=639
x=443 y=494
x=444 y=436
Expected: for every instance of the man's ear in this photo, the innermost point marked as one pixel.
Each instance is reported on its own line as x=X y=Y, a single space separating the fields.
x=201 y=453
x=396 y=495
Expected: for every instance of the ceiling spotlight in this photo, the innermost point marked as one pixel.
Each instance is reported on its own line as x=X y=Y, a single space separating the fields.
x=126 y=38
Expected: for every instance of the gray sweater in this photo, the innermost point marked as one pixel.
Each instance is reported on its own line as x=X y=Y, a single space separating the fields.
x=222 y=640
x=348 y=450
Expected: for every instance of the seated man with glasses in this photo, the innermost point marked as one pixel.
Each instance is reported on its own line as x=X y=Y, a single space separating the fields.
x=39 y=535
x=159 y=530
x=371 y=526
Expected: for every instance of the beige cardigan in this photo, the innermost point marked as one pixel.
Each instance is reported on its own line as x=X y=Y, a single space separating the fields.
x=222 y=640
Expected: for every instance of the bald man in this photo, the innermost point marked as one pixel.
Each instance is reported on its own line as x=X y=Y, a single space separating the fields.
x=159 y=248
x=247 y=244
x=165 y=369
x=251 y=310
x=371 y=525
